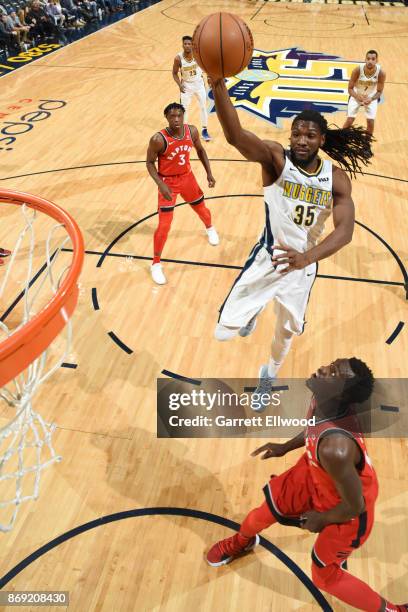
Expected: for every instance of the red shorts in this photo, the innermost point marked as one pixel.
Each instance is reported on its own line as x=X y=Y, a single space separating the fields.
x=289 y=495
x=183 y=184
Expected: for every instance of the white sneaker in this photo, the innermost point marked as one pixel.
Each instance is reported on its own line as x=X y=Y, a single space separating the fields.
x=247 y=329
x=213 y=237
x=157 y=274
x=265 y=385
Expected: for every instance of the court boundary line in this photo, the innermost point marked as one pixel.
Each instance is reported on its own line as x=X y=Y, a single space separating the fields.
x=171 y=511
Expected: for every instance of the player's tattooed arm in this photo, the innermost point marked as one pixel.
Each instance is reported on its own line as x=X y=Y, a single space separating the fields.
x=156 y=146
x=176 y=70
x=268 y=153
x=352 y=82
x=202 y=154
x=338 y=456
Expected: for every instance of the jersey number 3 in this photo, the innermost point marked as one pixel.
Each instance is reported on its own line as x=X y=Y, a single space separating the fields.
x=182 y=159
x=304 y=215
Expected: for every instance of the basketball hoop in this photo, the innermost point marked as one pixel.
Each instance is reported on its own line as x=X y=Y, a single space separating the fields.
x=40 y=311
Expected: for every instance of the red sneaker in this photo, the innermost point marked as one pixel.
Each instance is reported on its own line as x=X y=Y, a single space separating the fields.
x=4 y=252
x=1 y=262
x=229 y=549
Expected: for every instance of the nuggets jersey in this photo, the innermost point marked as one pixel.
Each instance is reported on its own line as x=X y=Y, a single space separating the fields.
x=324 y=494
x=190 y=70
x=365 y=85
x=297 y=206
x=175 y=159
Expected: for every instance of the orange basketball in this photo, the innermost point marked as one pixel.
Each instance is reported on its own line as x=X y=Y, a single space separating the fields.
x=222 y=44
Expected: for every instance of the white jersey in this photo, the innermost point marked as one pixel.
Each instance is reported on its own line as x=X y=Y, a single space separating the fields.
x=297 y=206
x=190 y=71
x=365 y=85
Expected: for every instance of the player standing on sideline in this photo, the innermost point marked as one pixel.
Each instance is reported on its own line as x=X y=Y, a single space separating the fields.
x=172 y=146
x=301 y=191
x=191 y=83
x=365 y=89
x=4 y=253
x=331 y=490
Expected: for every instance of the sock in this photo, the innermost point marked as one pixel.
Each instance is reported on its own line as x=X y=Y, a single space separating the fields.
x=161 y=233
x=203 y=212
x=281 y=341
x=256 y=521
x=350 y=589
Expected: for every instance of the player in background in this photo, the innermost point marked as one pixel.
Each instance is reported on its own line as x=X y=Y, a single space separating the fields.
x=365 y=88
x=191 y=83
x=331 y=490
x=171 y=147
x=301 y=191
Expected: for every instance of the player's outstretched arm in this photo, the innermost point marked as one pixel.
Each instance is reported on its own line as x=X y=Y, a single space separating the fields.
x=202 y=154
x=274 y=449
x=156 y=146
x=248 y=144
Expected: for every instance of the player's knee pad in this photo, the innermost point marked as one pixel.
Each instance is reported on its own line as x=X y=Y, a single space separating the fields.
x=223 y=333
x=323 y=577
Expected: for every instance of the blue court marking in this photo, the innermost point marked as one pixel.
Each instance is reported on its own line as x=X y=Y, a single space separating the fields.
x=95 y=298
x=395 y=333
x=193 y=381
x=119 y=342
x=199 y=514
x=389 y=408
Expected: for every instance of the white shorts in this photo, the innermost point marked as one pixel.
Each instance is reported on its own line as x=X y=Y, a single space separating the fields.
x=353 y=107
x=259 y=283
x=195 y=90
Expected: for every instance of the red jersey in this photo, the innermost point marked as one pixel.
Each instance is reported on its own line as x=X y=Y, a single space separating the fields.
x=324 y=492
x=175 y=159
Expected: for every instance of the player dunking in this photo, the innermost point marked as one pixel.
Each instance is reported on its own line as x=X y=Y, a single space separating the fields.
x=365 y=88
x=172 y=146
x=300 y=191
x=331 y=490
x=191 y=83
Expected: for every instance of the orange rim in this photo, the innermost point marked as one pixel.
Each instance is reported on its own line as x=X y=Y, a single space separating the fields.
x=26 y=344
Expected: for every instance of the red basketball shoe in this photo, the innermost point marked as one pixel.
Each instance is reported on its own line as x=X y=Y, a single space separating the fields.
x=227 y=550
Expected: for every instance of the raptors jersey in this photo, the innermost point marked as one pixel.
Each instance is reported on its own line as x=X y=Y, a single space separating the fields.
x=175 y=159
x=325 y=495
x=365 y=85
x=190 y=70
x=297 y=206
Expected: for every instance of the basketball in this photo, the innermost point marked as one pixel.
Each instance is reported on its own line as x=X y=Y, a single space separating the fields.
x=222 y=44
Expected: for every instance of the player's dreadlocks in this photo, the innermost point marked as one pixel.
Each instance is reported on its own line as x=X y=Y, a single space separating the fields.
x=350 y=147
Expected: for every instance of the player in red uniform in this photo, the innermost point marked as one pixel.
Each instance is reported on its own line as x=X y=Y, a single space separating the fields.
x=172 y=146
x=331 y=490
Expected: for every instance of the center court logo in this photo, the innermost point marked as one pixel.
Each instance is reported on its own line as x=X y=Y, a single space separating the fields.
x=281 y=84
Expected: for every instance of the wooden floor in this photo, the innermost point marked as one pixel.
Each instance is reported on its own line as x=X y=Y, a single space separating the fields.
x=88 y=156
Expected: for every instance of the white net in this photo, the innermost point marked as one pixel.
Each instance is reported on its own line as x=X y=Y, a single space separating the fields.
x=31 y=277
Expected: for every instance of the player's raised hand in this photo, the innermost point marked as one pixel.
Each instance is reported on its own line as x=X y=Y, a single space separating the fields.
x=294 y=260
x=271 y=449
x=165 y=191
x=211 y=180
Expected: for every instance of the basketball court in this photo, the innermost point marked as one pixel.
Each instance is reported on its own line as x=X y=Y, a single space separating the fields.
x=101 y=99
